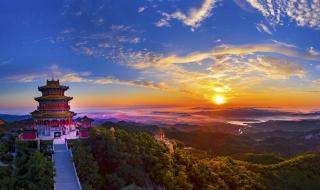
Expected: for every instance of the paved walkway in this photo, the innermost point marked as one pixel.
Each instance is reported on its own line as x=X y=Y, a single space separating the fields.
x=66 y=177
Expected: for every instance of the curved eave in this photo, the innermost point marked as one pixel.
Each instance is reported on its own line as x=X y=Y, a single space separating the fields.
x=41 y=88
x=67 y=98
x=39 y=114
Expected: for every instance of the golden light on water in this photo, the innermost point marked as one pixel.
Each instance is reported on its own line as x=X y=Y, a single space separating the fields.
x=218 y=99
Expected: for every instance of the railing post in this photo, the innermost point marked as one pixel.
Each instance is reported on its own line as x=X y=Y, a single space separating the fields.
x=75 y=170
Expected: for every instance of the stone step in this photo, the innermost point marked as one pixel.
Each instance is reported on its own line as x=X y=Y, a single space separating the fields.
x=66 y=177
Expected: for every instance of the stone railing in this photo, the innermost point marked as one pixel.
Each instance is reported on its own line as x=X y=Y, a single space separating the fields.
x=74 y=167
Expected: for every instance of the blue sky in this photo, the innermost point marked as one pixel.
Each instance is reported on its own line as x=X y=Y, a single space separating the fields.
x=156 y=52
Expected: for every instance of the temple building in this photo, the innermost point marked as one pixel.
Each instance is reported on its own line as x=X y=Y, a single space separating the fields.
x=2 y=122
x=83 y=126
x=160 y=136
x=84 y=122
x=53 y=117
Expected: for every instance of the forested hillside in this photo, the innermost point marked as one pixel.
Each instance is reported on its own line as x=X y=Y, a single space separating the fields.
x=22 y=165
x=30 y=170
x=114 y=159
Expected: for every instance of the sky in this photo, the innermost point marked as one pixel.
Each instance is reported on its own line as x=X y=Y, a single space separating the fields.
x=153 y=53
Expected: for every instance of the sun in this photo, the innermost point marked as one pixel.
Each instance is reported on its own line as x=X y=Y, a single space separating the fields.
x=219 y=99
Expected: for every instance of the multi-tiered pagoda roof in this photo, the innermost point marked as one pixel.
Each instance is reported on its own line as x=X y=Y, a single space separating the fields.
x=53 y=97
x=42 y=114
x=53 y=103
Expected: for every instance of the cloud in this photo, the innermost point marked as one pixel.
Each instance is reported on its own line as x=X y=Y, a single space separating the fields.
x=84 y=50
x=144 y=83
x=135 y=40
x=221 y=88
x=122 y=28
x=73 y=77
x=284 y=44
x=228 y=69
x=82 y=43
x=5 y=62
x=76 y=78
x=86 y=73
x=156 y=61
x=85 y=77
x=277 y=68
x=313 y=51
x=27 y=77
x=302 y=12
x=263 y=28
x=127 y=39
x=68 y=31
x=104 y=45
x=193 y=19
x=162 y=22
x=141 y=9
x=242 y=72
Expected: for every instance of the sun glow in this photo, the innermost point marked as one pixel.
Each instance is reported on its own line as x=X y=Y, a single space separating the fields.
x=219 y=99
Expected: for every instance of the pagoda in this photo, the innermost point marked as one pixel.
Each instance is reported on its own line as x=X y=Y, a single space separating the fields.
x=53 y=117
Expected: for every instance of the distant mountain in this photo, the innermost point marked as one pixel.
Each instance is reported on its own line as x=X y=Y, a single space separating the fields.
x=274 y=125
x=98 y=121
x=131 y=126
x=12 y=118
x=252 y=113
x=296 y=173
x=310 y=135
x=221 y=127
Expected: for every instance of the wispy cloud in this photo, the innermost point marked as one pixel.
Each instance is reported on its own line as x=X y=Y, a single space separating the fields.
x=276 y=68
x=141 y=9
x=284 y=44
x=133 y=40
x=80 y=78
x=144 y=83
x=163 y=22
x=27 y=77
x=5 y=62
x=263 y=28
x=73 y=77
x=120 y=27
x=84 y=50
x=85 y=77
x=193 y=19
x=226 y=69
x=313 y=51
x=222 y=50
x=302 y=12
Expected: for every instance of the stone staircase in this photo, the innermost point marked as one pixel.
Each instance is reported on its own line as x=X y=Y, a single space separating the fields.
x=66 y=177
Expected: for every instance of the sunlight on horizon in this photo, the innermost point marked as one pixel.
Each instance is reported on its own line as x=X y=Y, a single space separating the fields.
x=218 y=99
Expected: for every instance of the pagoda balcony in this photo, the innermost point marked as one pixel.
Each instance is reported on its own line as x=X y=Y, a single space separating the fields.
x=45 y=93
x=55 y=122
x=53 y=98
x=58 y=87
x=59 y=114
x=55 y=107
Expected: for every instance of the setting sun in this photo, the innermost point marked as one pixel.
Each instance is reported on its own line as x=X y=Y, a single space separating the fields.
x=219 y=99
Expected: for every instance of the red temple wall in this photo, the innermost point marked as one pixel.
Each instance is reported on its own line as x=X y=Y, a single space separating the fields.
x=54 y=106
x=53 y=92
x=55 y=122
